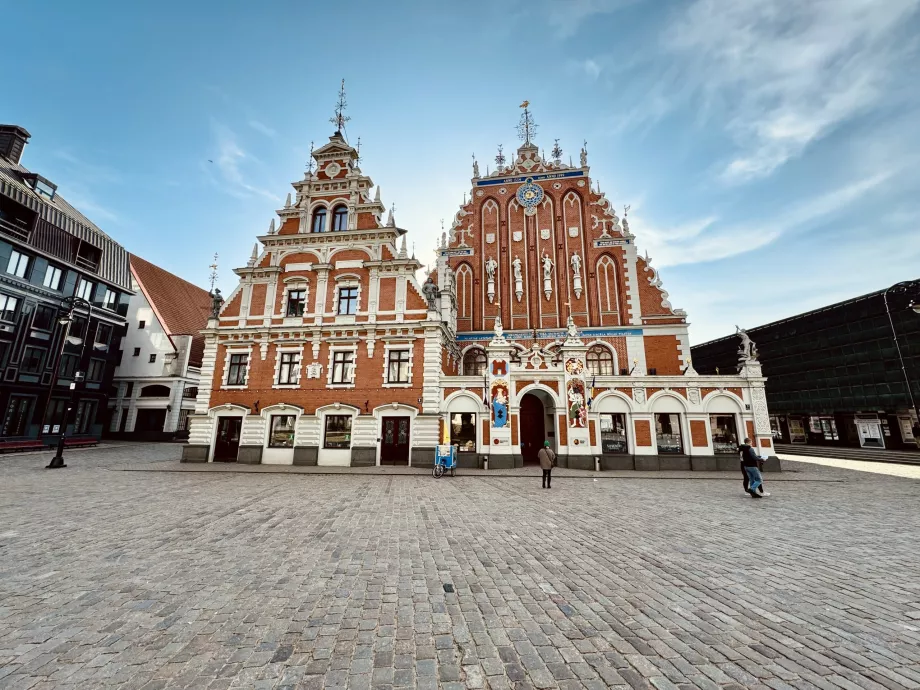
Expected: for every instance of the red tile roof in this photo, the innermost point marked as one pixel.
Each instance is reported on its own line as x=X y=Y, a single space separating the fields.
x=181 y=307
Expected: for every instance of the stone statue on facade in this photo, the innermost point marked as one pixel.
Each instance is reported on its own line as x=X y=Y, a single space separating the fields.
x=499 y=329
x=547 y=276
x=571 y=328
x=491 y=265
x=576 y=263
x=475 y=168
x=431 y=292
x=748 y=350
x=584 y=157
x=216 y=303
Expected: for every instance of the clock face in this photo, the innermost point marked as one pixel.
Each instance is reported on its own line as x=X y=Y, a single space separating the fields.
x=529 y=195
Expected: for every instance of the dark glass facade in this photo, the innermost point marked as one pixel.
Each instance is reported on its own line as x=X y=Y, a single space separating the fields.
x=834 y=375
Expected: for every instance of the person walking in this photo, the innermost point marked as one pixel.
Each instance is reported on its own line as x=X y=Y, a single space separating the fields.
x=547 y=460
x=750 y=467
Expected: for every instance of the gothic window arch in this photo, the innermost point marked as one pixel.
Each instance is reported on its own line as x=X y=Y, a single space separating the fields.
x=319 y=220
x=464 y=292
x=600 y=361
x=608 y=293
x=340 y=218
x=474 y=362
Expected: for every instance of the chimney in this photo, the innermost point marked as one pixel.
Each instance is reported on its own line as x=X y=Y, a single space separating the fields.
x=13 y=139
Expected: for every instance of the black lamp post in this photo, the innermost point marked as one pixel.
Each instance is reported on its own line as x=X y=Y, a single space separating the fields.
x=905 y=287
x=70 y=304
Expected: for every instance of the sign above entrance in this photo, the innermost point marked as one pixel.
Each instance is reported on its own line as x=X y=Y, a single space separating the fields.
x=523 y=178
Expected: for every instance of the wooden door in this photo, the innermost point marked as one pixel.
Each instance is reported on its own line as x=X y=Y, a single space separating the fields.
x=394 y=443
x=532 y=427
x=227 y=444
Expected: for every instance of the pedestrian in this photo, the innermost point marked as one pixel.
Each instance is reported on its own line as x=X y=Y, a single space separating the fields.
x=547 y=460
x=750 y=468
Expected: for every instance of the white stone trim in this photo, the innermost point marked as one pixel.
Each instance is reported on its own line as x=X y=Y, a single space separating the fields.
x=353 y=348
x=613 y=351
x=236 y=350
x=294 y=283
x=347 y=280
x=395 y=410
x=387 y=349
x=279 y=350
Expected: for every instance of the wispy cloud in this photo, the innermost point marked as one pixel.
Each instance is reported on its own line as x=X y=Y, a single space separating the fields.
x=567 y=16
x=263 y=128
x=230 y=155
x=787 y=73
x=591 y=68
x=705 y=239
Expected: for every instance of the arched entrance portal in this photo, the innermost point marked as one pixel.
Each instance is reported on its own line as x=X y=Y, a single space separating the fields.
x=532 y=427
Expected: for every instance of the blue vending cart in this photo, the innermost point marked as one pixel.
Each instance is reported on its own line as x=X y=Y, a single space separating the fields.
x=445 y=458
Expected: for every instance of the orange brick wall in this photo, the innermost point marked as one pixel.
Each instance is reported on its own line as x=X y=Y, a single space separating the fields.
x=592 y=430
x=766 y=443
x=662 y=354
x=514 y=430
x=698 y=433
x=486 y=432
x=257 y=301
x=563 y=430
x=750 y=429
x=643 y=432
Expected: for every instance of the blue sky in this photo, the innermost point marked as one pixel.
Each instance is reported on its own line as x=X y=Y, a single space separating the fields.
x=770 y=150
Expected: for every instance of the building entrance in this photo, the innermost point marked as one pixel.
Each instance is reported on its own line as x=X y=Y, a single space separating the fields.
x=227 y=445
x=394 y=446
x=532 y=428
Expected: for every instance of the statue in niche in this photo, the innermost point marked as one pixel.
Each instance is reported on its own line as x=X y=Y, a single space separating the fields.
x=517 y=268
x=491 y=265
x=576 y=264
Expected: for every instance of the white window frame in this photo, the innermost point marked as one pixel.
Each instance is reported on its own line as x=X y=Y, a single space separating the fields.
x=56 y=273
x=348 y=280
x=298 y=370
x=236 y=351
x=353 y=349
x=105 y=299
x=21 y=266
x=295 y=283
x=389 y=347
x=81 y=288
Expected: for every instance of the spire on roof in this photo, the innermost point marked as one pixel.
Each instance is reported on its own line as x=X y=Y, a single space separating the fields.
x=271 y=227
x=527 y=128
x=287 y=202
x=402 y=249
x=556 y=153
x=255 y=255
x=340 y=118
x=377 y=196
x=213 y=277
x=391 y=219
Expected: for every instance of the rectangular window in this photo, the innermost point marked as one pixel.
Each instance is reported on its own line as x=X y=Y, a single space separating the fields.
x=141 y=325
x=33 y=358
x=78 y=328
x=295 y=302
x=18 y=415
x=724 y=433
x=289 y=369
x=68 y=366
x=236 y=373
x=52 y=278
x=281 y=434
x=103 y=335
x=54 y=415
x=613 y=433
x=182 y=424
x=18 y=264
x=667 y=428
x=85 y=289
x=86 y=415
x=342 y=367
x=398 y=367
x=348 y=300
x=43 y=319
x=153 y=358
x=137 y=352
x=338 y=431
x=96 y=370
x=8 y=307
x=463 y=431
x=110 y=300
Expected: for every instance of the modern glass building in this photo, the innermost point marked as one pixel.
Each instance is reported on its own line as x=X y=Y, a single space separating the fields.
x=847 y=374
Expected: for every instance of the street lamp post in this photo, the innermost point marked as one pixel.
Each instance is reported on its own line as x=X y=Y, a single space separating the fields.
x=904 y=287
x=71 y=304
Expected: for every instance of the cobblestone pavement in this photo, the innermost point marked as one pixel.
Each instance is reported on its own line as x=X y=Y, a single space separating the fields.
x=215 y=580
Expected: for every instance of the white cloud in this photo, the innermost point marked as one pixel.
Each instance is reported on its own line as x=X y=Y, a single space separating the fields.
x=787 y=73
x=591 y=68
x=229 y=157
x=567 y=16
x=263 y=128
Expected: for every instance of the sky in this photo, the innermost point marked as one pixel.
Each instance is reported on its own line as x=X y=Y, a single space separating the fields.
x=769 y=150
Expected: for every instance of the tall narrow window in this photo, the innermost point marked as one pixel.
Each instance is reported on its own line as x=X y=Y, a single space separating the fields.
x=342 y=365
x=96 y=370
x=43 y=318
x=319 y=220
x=86 y=415
x=103 y=336
x=52 y=278
x=236 y=372
x=85 y=289
x=8 y=308
x=68 y=366
x=339 y=218
x=110 y=300
x=613 y=433
x=153 y=358
x=474 y=362
x=33 y=358
x=18 y=264
x=289 y=368
x=295 y=302
x=18 y=415
x=398 y=369
x=348 y=300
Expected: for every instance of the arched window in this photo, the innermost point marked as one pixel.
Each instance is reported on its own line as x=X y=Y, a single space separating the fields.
x=474 y=362
x=155 y=391
x=339 y=218
x=600 y=361
x=319 y=220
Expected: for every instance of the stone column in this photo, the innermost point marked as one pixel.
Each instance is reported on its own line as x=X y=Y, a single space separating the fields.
x=322 y=278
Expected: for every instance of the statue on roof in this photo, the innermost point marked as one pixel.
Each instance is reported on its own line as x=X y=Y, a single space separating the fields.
x=431 y=292
x=748 y=350
x=216 y=303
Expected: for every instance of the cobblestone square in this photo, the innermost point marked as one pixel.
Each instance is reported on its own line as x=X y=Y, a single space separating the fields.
x=229 y=580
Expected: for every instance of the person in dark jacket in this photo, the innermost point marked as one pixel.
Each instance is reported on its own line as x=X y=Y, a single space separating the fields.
x=547 y=459
x=750 y=468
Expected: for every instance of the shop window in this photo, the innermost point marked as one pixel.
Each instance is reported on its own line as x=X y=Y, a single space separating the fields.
x=724 y=433
x=463 y=431
x=613 y=433
x=667 y=429
x=600 y=361
x=54 y=415
x=474 y=362
x=236 y=372
x=33 y=358
x=281 y=433
x=18 y=264
x=18 y=415
x=398 y=367
x=342 y=365
x=289 y=368
x=295 y=302
x=8 y=307
x=338 y=431
x=340 y=219
x=348 y=301
x=86 y=415
x=319 y=220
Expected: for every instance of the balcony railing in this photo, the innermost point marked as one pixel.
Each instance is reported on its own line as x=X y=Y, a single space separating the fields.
x=15 y=230
x=87 y=264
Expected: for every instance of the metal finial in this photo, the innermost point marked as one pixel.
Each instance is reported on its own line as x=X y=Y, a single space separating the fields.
x=527 y=128
x=557 y=152
x=213 y=276
x=626 y=210
x=340 y=118
x=311 y=162
x=500 y=158
x=358 y=152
